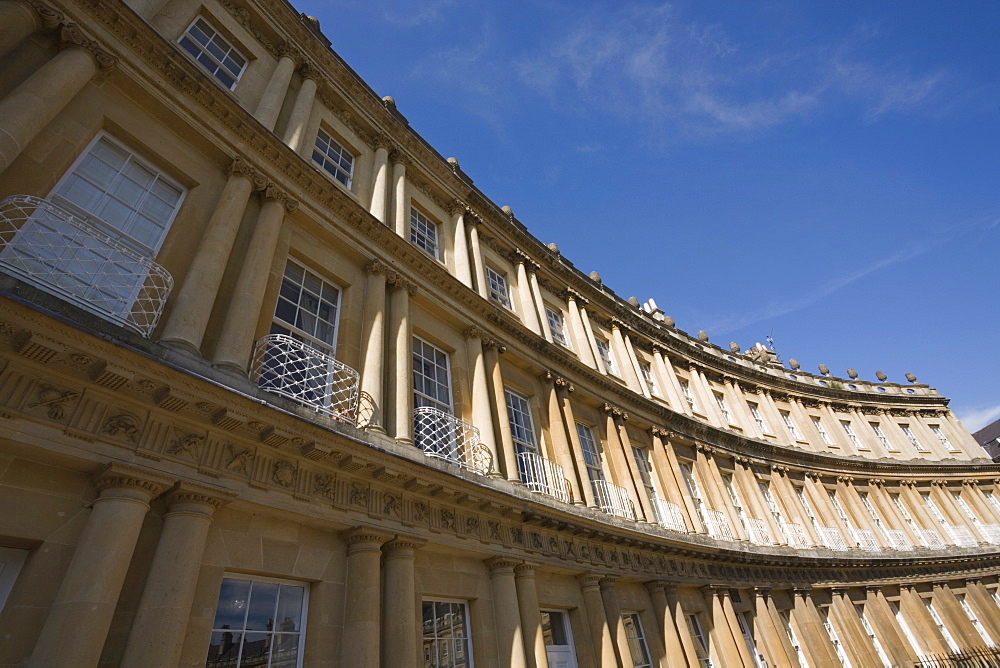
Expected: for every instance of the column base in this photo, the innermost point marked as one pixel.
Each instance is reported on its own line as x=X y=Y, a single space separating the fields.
x=182 y=346
x=231 y=369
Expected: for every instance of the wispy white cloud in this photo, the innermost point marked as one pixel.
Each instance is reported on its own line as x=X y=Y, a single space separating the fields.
x=411 y=13
x=977 y=418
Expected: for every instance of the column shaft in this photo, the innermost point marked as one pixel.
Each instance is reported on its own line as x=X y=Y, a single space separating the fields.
x=531 y=617
x=536 y=293
x=893 y=640
x=463 y=271
x=581 y=343
x=607 y=654
x=479 y=269
x=529 y=314
x=19 y=20
x=592 y=342
x=165 y=606
x=626 y=370
x=193 y=302
x=401 y=204
x=399 y=605
x=361 y=642
x=560 y=444
x=482 y=413
x=673 y=648
x=613 y=613
x=274 y=95
x=27 y=109
x=380 y=184
x=373 y=344
x=80 y=617
x=401 y=354
x=295 y=130
x=498 y=400
x=506 y=614
x=616 y=453
x=236 y=340
x=586 y=488
x=778 y=649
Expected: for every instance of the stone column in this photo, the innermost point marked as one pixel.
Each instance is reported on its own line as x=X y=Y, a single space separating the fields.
x=687 y=504
x=400 y=622
x=380 y=181
x=626 y=369
x=19 y=20
x=894 y=642
x=673 y=649
x=566 y=408
x=634 y=362
x=771 y=631
x=813 y=638
x=237 y=338
x=581 y=344
x=463 y=271
x=506 y=614
x=619 y=458
x=326 y=601
x=531 y=617
x=592 y=342
x=783 y=490
x=373 y=343
x=613 y=613
x=400 y=395
x=27 y=109
x=984 y=605
x=295 y=130
x=400 y=202
x=607 y=654
x=917 y=617
x=536 y=294
x=360 y=644
x=668 y=381
x=193 y=302
x=165 y=607
x=753 y=499
x=729 y=643
x=482 y=414
x=557 y=434
x=498 y=401
x=645 y=502
x=277 y=88
x=715 y=487
x=954 y=616
x=528 y=312
x=662 y=467
x=855 y=641
x=478 y=266
x=81 y=614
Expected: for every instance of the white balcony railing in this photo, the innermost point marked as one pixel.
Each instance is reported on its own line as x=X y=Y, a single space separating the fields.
x=669 y=515
x=54 y=250
x=833 y=539
x=898 y=540
x=961 y=536
x=543 y=476
x=718 y=527
x=991 y=532
x=613 y=499
x=931 y=538
x=757 y=530
x=444 y=436
x=294 y=369
x=794 y=534
x=865 y=539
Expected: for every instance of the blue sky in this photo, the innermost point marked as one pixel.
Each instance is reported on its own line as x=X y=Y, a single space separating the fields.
x=824 y=173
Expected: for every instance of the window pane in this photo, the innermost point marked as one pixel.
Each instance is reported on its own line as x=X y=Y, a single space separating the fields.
x=263 y=596
x=232 y=608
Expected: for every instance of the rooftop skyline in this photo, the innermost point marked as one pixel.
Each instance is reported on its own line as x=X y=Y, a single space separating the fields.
x=814 y=173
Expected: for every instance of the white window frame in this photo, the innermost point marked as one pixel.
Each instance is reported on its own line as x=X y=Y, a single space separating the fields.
x=942 y=439
x=468 y=626
x=214 y=58
x=567 y=627
x=421 y=398
x=701 y=648
x=793 y=639
x=932 y=609
x=823 y=434
x=978 y=625
x=498 y=287
x=747 y=630
x=786 y=416
x=720 y=399
x=518 y=405
x=685 y=386
x=591 y=454
x=849 y=430
x=280 y=325
x=646 y=369
x=606 y=356
x=557 y=326
x=901 y=620
x=912 y=438
x=424 y=233
x=882 y=438
x=329 y=154
x=636 y=641
x=758 y=417
x=303 y=620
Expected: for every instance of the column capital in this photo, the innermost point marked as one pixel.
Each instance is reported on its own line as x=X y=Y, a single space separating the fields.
x=607 y=582
x=619 y=324
x=908 y=586
x=472 y=219
x=502 y=564
x=143 y=485
x=589 y=580
x=838 y=591
x=278 y=194
x=456 y=207
x=397 y=157
x=403 y=546
x=763 y=592
x=518 y=256
x=569 y=294
x=307 y=71
x=802 y=590
x=655 y=586
x=397 y=280
x=614 y=411
x=660 y=432
x=525 y=570
x=361 y=538
x=51 y=19
x=873 y=589
x=288 y=51
x=376 y=266
x=192 y=497
x=241 y=165
x=70 y=35
x=973 y=580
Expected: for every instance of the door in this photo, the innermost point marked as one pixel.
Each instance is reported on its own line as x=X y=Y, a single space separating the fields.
x=558 y=639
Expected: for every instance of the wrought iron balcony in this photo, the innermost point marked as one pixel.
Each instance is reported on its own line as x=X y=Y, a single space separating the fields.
x=898 y=540
x=543 y=476
x=444 y=436
x=669 y=515
x=294 y=369
x=931 y=538
x=718 y=527
x=960 y=535
x=832 y=538
x=613 y=499
x=865 y=539
x=46 y=245
x=991 y=532
x=757 y=530
x=794 y=534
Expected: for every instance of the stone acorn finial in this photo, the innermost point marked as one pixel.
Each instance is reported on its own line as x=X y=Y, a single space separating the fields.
x=703 y=336
x=595 y=277
x=553 y=247
x=633 y=301
x=454 y=163
x=734 y=347
x=852 y=373
x=910 y=377
x=794 y=363
x=668 y=321
x=389 y=101
x=881 y=376
x=507 y=210
x=824 y=369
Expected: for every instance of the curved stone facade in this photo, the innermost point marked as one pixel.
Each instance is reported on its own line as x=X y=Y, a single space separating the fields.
x=363 y=418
